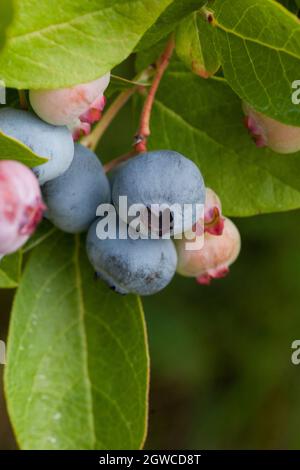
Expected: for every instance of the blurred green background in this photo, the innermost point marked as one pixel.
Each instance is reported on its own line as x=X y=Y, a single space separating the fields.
x=221 y=374
x=221 y=370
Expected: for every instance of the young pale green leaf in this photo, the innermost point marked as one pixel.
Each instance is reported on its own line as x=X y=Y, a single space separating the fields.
x=6 y=15
x=195 y=45
x=10 y=270
x=57 y=43
x=77 y=360
x=12 y=149
x=168 y=21
x=259 y=44
x=203 y=120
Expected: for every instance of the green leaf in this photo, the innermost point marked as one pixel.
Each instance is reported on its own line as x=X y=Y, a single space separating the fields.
x=77 y=360
x=168 y=21
x=259 y=44
x=44 y=231
x=6 y=15
x=57 y=43
x=148 y=57
x=203 y=120
x=12 y=149
x=195 y=45
x=10 y=270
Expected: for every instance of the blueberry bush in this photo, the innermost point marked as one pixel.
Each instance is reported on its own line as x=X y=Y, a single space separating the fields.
x=215 y=105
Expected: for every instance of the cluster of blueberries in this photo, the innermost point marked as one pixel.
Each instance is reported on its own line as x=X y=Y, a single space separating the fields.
x=73 y=185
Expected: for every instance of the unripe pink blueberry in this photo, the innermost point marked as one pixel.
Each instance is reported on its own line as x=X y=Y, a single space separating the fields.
x=213 y=220
x=212 y=261
x=79 y=129
x=65 y=105
x=21 y=205
x=82 y=125
x=268 y=132
x=94 y=113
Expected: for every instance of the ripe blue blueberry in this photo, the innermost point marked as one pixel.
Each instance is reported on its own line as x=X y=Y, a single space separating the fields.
x=141 y=266
x=161 y=177
x=72 y=198
x=45 y=140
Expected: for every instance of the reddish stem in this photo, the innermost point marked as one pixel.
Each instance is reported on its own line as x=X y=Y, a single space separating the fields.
x=144 y=127
x=123 y=158
x=23 y=100
x=92 y=139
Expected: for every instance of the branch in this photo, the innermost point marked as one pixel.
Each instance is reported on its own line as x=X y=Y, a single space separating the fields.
x=140 y=144
x=91 y=140
x=23 y=100
x=123 y=158
x=144 y=127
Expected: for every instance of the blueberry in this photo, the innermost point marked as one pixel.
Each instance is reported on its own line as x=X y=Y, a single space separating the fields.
x=160 y=177
x=214 y=221
x=21 y=205
x=72 y=199
x=63 y=106
x=267 y=132
x=47 y=141
x=214 y=259
x=141 y=266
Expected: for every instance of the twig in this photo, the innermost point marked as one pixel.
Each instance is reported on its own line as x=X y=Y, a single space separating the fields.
x=123 y=158
x=144 y=127
x=23 y=100
x=140 y=144
x=91 y=140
